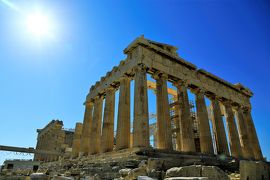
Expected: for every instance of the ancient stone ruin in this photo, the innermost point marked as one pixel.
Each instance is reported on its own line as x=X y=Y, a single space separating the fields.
x=163 y=64
x=187 y=144
x=102 y=154
x=53 y=137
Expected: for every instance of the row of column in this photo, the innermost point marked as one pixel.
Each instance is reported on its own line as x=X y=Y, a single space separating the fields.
x=240 y=147
x=97 y=139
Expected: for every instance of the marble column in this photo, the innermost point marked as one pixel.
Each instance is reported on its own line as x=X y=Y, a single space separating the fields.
x=186 y=124
x=141 y=119
x=77 y=140
x=86 y=131
x=123 y=118
x=164 y=130
x=218 y=128
x=107 y=138
x=96 y=126
x=177 y=124
x=206 y=142
x=253 y=138
x=243 y=134
x=233 y=136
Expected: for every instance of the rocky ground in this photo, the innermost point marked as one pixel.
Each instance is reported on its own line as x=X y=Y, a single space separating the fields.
x=141 y=164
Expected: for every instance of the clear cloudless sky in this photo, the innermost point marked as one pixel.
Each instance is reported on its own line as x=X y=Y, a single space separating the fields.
x=47 y=79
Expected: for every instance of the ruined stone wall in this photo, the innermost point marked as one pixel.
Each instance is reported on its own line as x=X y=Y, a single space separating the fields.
x=69 y=135
x=50 y=138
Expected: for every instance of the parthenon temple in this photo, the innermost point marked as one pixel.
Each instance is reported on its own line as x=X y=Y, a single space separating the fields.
x=229 y=102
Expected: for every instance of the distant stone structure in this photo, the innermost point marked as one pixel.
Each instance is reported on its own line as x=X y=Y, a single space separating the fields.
x=53 y=138
x=21 y=164
x=77 y=140
x=163 y=63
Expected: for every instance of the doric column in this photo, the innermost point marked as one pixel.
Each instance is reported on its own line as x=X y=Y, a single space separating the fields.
x=123 y=118
x=218 y=128
x=177 y=124
x=86 y=130
x=206 y=142
x=96 y=126
x=141 y=119
x=164 y=130
x=253 y=138
x=243 y=134
x=107 y=139
x=233 y=136
x=186 y=124
x=76 y=140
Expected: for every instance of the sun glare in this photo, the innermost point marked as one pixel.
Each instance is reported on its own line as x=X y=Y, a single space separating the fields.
x=39 y=24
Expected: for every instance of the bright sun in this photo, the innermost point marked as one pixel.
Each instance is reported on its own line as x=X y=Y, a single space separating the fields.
x=39 y=24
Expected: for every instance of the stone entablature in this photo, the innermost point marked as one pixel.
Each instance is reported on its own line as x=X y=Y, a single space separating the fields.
x=163 y=64
x=156 y=58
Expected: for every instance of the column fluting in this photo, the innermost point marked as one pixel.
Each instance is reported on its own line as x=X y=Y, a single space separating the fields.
x=123 y=118
x=86 y=130
x=206 y=142
x=141 y=119
x=218 y=128
x=96 y=126
x=233 y=135
x=186 y=124
x=76 y=140
x=107 y=138
x=164 y=130
x=253 y=138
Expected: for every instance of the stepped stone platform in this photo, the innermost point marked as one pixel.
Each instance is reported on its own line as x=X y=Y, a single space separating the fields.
x=134 y=162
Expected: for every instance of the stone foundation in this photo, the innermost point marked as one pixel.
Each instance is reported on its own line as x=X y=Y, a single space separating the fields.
x=153 y=164
x=131 y=163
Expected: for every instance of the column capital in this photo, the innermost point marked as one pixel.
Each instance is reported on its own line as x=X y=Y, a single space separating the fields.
x=140 y=67
x=237 y=106
x=214 y=97
x=109 y=89
x=89 y=103
x=98 y=97
x=246 y=108
x=198 y=90
x=227 y=102
x=181 y=82
x=125 y=77
x=160 y=74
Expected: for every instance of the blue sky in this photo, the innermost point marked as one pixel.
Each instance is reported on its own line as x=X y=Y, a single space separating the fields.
x=47 y=79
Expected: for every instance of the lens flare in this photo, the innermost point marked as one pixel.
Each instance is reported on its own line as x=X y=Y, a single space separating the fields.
x=38 y=24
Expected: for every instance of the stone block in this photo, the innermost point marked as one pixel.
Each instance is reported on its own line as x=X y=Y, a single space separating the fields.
x=134 y=173
x=187 y=178
x=124 y=172
x=154 y=163
x=253 y=170
x=213 y=173
x=39 y=176
x=154 y=174
x=185 y=171
x=62 y=178
x=145 y=178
